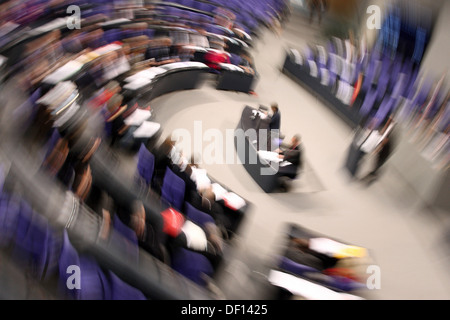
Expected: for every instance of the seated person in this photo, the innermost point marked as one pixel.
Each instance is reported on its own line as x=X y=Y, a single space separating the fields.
x=118 y=129
x=292 y=158
x=114 y=118
x=160 y=49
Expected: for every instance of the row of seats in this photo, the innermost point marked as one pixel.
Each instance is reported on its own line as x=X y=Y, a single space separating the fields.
x=48 y=255
x=375 y=84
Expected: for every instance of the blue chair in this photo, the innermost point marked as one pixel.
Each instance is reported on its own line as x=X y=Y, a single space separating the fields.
x=92 y=281
x=125 y=240
x=9 y=215
x=146 y=164
x=120 y=290
x=92 y=286
x=69 y=256
x=173 y=190
x=386 y=107
x=192 y=265
x=296 y=268
x=369 y=102
x=52 y=142
x=31 y=240
x=199 y=217
x=28 y=108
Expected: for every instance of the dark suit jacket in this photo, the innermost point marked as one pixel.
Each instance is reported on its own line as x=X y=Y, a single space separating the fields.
x=275 y=121
x=294 y=156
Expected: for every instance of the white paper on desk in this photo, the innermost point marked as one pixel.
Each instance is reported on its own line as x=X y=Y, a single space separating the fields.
x=108 y=48
x=62 y=88
x=285 y=163
x=231 y=67
x=137 y=117
x=196 y=48
x=262 y=115
x=200 y=177
x=137 y=84
x=63 y=72
x=219 y=191
x=52 y=25
x=146 y=74
x=107 y=23
x=269 y=156
x=305 y=288
x=147 y=129
x=371 y=142
x=233 y=201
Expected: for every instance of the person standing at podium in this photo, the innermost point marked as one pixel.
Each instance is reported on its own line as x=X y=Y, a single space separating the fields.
x=275 y=119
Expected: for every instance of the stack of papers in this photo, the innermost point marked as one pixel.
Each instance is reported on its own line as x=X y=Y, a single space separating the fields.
x=148 y=74
x=137 y=84
x=196 y=48
x=231 y=67
x=269 y=156
x=233 y=201
x=335 y=249
x=219 y=191
x=200 y=177
x=107 y=49
x=58 y=93
x=184 y=64
x=147 y=129
x=306 y=289
x=262 y=115
x=137 y=117
x=64 y=72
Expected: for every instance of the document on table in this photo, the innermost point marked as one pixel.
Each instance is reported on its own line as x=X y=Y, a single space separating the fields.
x=147 y=129
x=233 y=201
x=269 y=156
x=305 y=288
x=219 y=191
x=137 y=117
x=63 y=72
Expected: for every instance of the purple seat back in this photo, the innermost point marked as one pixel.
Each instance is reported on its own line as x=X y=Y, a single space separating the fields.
x=369 y=102
x=120 y=290
x=192 y=265
x=173 y=189
x=199 y=217
x=146 y=164
x=69 y=256
x=291 y=266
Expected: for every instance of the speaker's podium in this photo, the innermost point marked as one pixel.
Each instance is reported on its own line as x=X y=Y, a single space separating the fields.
x=253 y=144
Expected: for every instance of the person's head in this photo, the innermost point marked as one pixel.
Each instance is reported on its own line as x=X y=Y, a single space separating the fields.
x=137 y=209
x=274 y=107
x=114 y=102
x=113 y=87
x=296 y=140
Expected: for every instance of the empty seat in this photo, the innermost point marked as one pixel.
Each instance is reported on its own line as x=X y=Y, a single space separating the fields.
x=173 y=190
x=145 y=165
x=192 y=265
x=120 y=290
